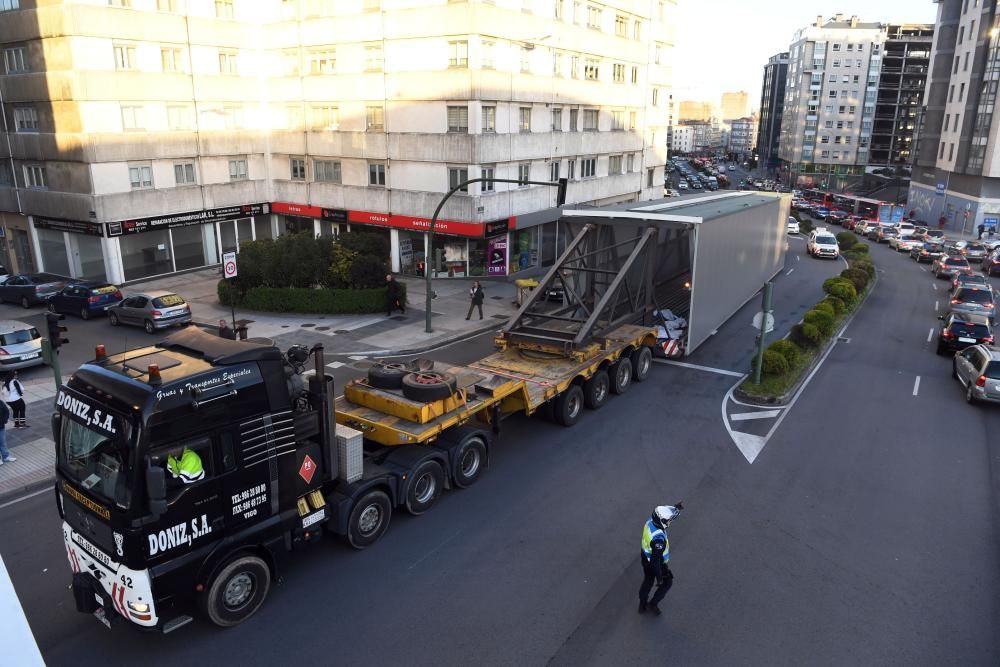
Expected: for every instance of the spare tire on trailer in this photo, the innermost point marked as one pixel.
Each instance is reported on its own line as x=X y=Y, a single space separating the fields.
x=427 y=386
x=387 y=376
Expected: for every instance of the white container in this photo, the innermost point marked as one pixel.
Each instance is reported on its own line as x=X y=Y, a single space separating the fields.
x=350 y=447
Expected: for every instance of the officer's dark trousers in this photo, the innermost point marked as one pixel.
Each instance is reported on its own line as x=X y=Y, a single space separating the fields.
x=648 y=577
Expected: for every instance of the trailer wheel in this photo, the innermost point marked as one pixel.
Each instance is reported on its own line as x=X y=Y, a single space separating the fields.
x=427 y=386
x=569 y=405
x=237 y=591
x=621 y=375
x=369 y=519
x=470 y=459
x=642 y=361
x=595 y=390
x=387 y=376
x=425 y=487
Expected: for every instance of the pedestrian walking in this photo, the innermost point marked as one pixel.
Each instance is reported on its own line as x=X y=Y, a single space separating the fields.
x=393 y=296
x=655 y=557
x=981 y=228
x=5 y=456
x=941 y=222
x=225 y=331
x=12 y=393
x=476 y=295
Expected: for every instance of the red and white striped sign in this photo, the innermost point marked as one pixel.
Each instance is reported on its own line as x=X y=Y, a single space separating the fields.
x=672 y=348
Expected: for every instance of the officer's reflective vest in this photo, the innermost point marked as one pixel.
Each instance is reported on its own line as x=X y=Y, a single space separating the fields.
x=189 y=468
x=652 y=532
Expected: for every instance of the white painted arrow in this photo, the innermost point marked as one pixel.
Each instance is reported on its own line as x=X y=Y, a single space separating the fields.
x=750 y=445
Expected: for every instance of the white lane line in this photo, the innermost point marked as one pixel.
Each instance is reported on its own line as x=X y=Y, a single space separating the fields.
x=797 y=258
x=936 y=304
x=916 y=385
x=789 y=272
x=720 y=371
x=930 y=334
x=763 y=414
x=934 y=285
x=357 y=357
x=47 y=489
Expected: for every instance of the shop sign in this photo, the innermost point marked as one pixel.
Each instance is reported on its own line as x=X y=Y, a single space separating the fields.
x=471 y=229
x=499 y=227
x=71 y=226
x=138 y=225
x=990 y=223
x=305 y=211
x=496 y=256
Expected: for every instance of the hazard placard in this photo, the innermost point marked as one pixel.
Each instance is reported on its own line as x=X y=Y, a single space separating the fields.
x=229 y=264
x=307 y=469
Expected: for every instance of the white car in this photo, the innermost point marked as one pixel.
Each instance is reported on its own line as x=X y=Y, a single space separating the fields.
x=904 y=243
x=793 y=225
x=823 y=244
x=682 y=185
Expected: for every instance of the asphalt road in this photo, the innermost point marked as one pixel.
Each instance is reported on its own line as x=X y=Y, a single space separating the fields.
x=864 y=533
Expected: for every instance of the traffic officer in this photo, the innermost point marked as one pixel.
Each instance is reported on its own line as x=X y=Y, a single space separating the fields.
x=188 y=468
x=655 y=557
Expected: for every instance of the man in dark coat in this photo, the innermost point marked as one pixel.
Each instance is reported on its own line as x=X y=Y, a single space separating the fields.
x=393 y=296
x=477 y=296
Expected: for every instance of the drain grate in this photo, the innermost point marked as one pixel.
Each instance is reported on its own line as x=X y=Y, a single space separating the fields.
x=307 y=325
x=341 y=331
x=322 y=328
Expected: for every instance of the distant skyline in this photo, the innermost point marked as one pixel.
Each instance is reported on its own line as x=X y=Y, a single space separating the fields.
x=723 y=45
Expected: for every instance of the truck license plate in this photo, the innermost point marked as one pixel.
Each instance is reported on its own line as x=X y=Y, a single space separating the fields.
x=102 y=617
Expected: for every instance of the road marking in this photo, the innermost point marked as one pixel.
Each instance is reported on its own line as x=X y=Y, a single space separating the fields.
x=797 y=258
x=720 y=371
x=789 y=272
x=930 y=334
x=47 y=489
x=934 y=285
x=762 y=414
x=335 y=364
x=916 y=385
x=936 y=304
x=357 y=357
x=748 y=444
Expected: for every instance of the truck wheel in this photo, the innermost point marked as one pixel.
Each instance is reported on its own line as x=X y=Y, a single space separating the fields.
x=470 y=459
x=642 y=361
x=621 y=375
x=595 y=390
x=369 y=519
x=387 y=376
x=425 y=487
x=427 y=386
x=237 y=591
x=569 y=405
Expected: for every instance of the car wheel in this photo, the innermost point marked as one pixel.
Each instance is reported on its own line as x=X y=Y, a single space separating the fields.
x=113 y=319
x=24 y=302
x=970 y=398
x=148 y=326
x=84 y=314
x=642 y=361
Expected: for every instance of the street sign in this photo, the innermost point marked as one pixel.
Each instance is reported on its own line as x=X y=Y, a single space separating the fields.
x=769 y=321
x=229 y=264
x=940 y=189
x=990 y=223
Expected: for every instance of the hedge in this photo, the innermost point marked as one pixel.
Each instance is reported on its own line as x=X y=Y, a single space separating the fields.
x=307 y=300
x=858 y=277
x=845 y=292
x=846 y=240
x=786 y=348
x=826 y=307
x=838 y=305
x=822 y=320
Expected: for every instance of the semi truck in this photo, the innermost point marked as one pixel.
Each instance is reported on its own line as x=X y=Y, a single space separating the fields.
x=281 y=462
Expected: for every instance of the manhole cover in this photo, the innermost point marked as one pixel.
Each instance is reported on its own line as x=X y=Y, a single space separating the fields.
x=340 y=331
x=308 y=324
x=284 y=326
x=322 y=328
x=497 y=297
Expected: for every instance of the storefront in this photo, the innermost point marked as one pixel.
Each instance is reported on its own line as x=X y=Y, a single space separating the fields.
x=16 y=255
x=299 y=218
x=69 y=247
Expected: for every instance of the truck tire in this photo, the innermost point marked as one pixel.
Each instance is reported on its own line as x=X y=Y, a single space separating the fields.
x=237 y=591
x=369 y=519
x=425 y=486
x=469 y=461
x=596 y=389
x=387 y=376
x=427 y=386
x=642 y=361
x=569 y=405
x=621 y=375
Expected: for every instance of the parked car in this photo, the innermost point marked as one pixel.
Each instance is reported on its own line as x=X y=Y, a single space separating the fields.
x=793 y=225
x=86 y=299
x=975 y=252
x=947 y=266
x=934 y=234
x=974 y=299
x=822 y=243
x=820 y=213
x=969 y=280
x=29 y=289
x=977 y=368
x=926 y=252
x=991 y=264
x=156 y=309
x=20 y=345
x=885 y=234
x=960 y=330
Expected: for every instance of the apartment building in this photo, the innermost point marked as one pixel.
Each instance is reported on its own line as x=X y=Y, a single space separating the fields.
x=772 y=105
x=682 y=139
x=735 y=105
x=694 y=110
x=741 y=136
x=144 y=137
x=956 y=175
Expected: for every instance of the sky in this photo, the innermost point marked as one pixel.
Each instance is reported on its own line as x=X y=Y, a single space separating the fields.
x=723 y=45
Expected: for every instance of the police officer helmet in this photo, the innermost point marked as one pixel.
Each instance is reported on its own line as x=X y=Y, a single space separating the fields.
x=665 y=514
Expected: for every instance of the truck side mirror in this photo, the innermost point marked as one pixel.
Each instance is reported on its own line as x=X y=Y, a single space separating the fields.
x=56 y=426
x=156 y=490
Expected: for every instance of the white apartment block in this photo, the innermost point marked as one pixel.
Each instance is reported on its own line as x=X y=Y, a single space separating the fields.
x=149 y=136
x=683 y=139
x=741 y=137
x=830 y=95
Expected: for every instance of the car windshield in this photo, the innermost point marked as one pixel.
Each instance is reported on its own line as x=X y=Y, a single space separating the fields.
x=975 y=296
x=956 y=261
x=168 y=301
x=826 y=240
x=95 y=456
x=22 y=336
x=975 y=246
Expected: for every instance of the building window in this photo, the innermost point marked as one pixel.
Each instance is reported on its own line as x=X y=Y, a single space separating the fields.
x=14 y=60
x=558 y=10
x=650 y=175
x=488 y=58
x=457 y=175
x=593 y=17
x=183 y=173
x=825 y=154
x=637 y=30
x=326 y=171
x=656 y=54
x=828 y=123
x=487 y=171
x=557 y=120
x=523 y=174
x=836 y=47
x=489 y=119
x=961 y=34
x=588 y=167
x=525 y=120
x=556 y=63
x=614 y=164
x=947 y=122
x=297 y=167
x=617 y=120
x=324 y=117
x=656 y=97
x=621 y=25
x=631 y=163
x=228 y=62
x=635 y=74
x=133 y=118
x=951 y=152
x=166 y=5
x=590 y=120
x=375 y=118
x=574 y=115
x=9 y=5
x=124 y=57
x=554 y=170
x=238 y=170
x=141 y=176
x=837 y=139
x=574 y=67
x=954 y=128
x=232 y=116
x=633 y=120
x=852 y=109
x=832 y=94
x=458 y=119
x=323 y=61
x=35 y=176
x=591 y=69
x=224 y=9
x=170 y=59
x=458 y=54
x=825 y=139
x=570 y=169
x=25 y=119
x=376 y=174
x=961 y=92
x=180 y=117
x=618 y=73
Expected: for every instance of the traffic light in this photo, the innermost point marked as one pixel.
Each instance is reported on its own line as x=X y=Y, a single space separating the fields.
x=56 y=329
x=561 y=191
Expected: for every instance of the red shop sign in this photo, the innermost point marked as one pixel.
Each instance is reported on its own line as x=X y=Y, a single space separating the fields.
x=297 y=209
x=472 y=229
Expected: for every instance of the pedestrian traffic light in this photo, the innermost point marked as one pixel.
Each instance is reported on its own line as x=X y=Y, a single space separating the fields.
x=561 y=191
x=56 y=329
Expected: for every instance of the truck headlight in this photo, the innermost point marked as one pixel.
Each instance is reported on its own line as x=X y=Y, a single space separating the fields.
x=138 y=607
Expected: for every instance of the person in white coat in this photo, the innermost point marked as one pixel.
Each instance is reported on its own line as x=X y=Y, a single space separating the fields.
x=13 y=395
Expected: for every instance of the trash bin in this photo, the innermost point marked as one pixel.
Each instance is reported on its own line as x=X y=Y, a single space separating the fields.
x=524 y=286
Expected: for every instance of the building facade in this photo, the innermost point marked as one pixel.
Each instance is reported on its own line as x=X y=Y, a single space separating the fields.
x=772 y=105
x=735 y=105
x=150 y=136
x=682 y=139
x=694 y=110
x=741 y=137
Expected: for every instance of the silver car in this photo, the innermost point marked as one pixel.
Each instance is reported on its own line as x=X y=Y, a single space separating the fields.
x=20 y=345
x=153 y=310
x=978 y=369
x=974 y=299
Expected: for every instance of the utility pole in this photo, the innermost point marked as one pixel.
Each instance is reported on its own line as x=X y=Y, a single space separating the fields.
x=766 y=323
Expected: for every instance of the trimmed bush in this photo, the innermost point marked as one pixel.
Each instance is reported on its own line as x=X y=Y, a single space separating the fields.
x=846 y=240
x=858 y=277
x=825 y=307
x=306 y=300
x=829 y=283
x=821 y=319
x=859 y=248
x=774 y=363
x=811 y=334
x=845 y=292
x=866 y=265
x=786 y=348
x=839 y=307
x=805 y=225
x=367 y=272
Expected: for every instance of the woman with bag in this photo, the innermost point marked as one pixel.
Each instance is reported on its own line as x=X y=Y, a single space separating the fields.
x=13 y=395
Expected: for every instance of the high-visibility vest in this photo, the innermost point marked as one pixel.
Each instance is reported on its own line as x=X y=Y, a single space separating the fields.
x=188 y=468
x=652 y=532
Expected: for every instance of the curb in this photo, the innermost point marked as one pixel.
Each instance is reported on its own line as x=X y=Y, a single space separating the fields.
x=807 y=372
x=26 y=489
x=458 y=338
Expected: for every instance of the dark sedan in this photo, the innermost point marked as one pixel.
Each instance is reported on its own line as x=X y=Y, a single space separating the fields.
x=927 y=252
x=991 y=264
x=960 y=330
x=29 y=289
x=86 y=299
x=838 y=217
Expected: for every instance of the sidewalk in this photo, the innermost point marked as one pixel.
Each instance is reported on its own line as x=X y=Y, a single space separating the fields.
x=32 y=447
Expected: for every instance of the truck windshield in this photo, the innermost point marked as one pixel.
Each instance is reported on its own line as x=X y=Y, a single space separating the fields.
x=96 y=460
